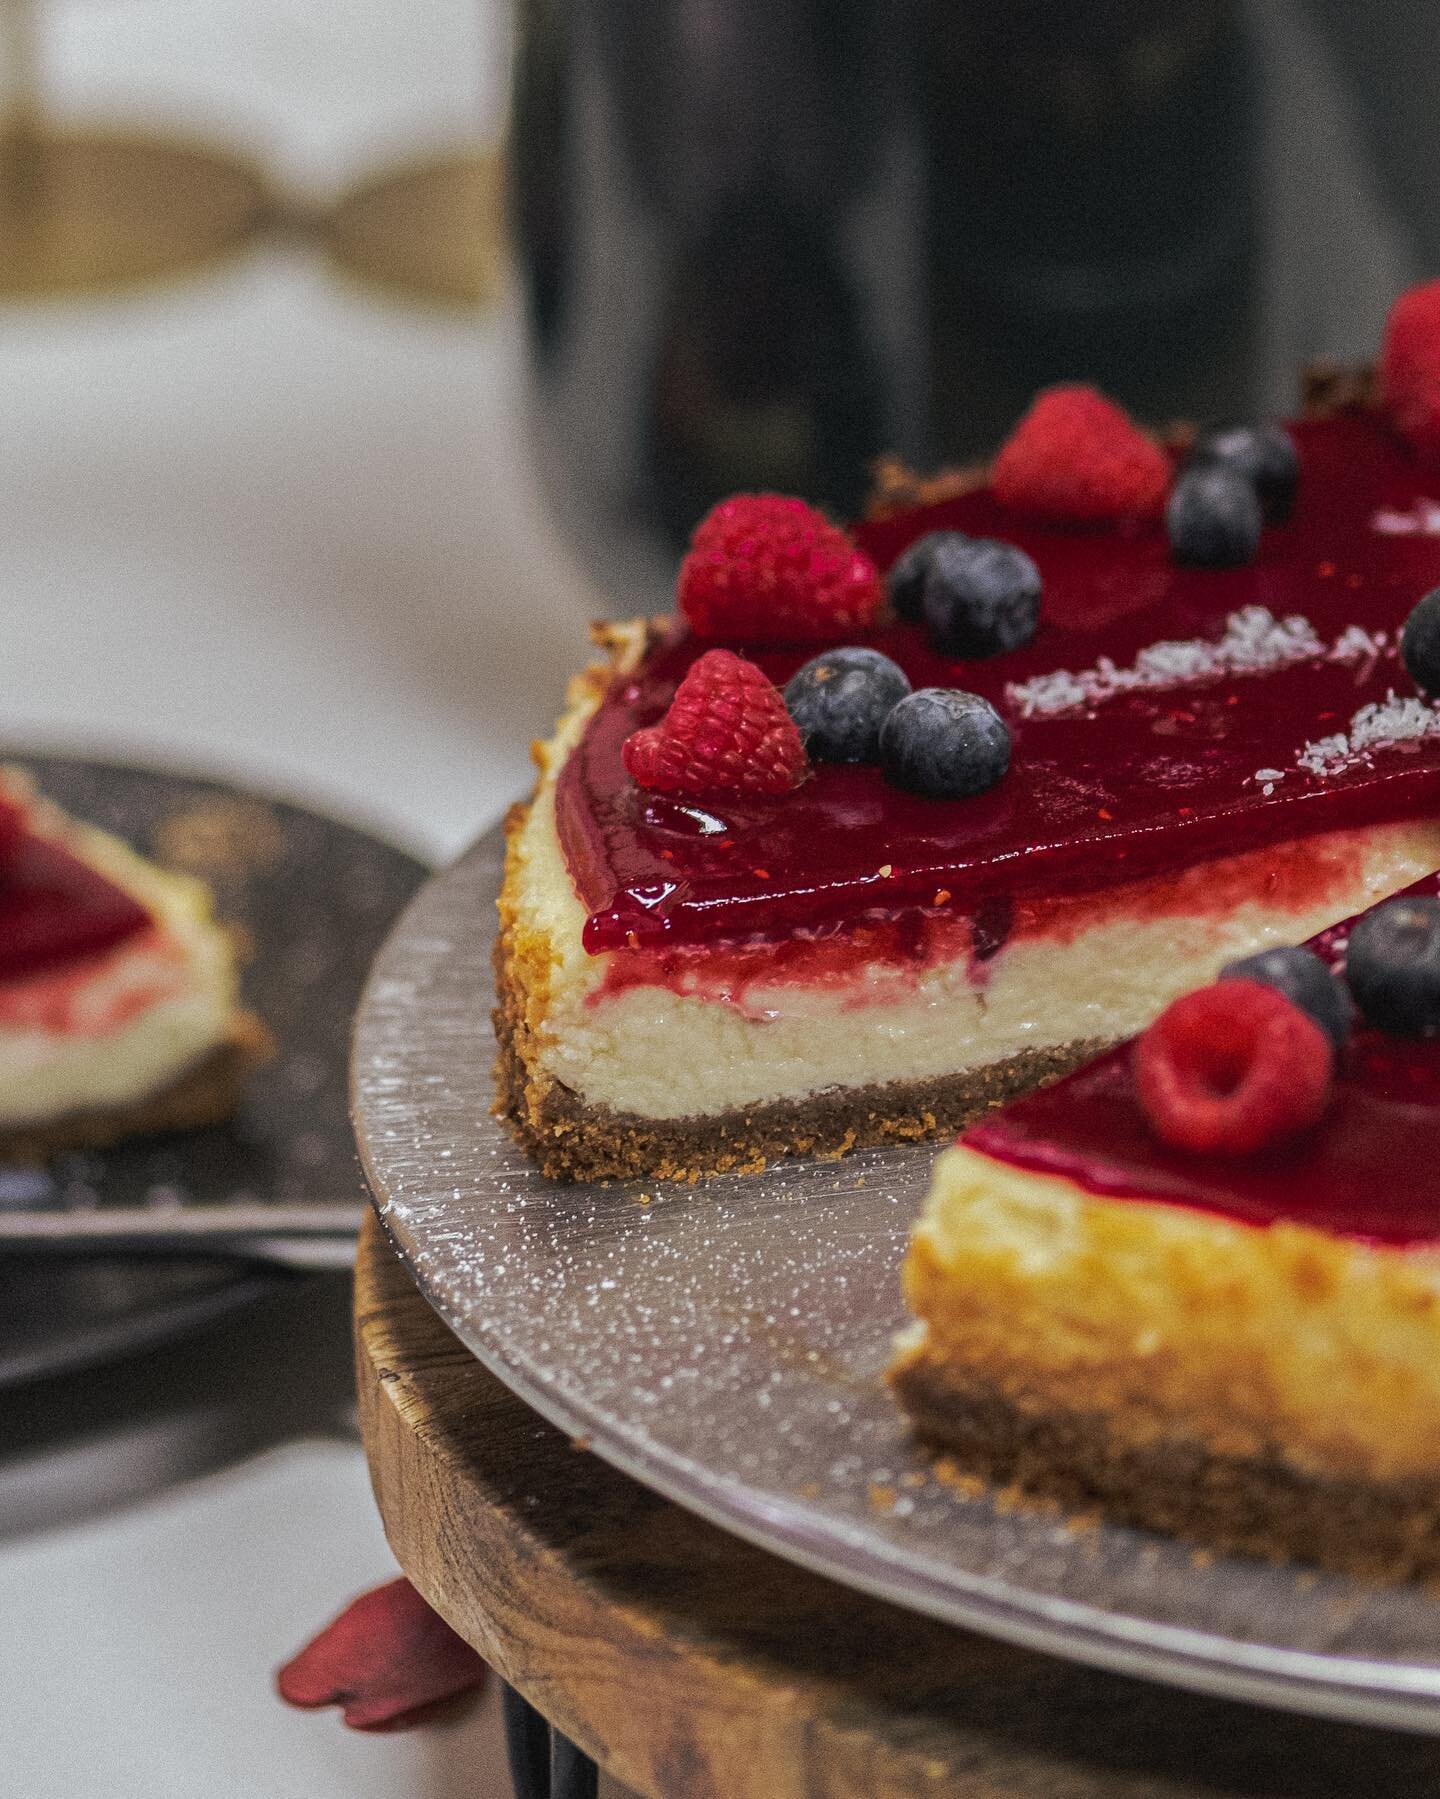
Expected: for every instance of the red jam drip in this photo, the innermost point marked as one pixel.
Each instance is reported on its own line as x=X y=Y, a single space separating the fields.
x=55 y=909
x=1362 y=1172
x=1143 y=783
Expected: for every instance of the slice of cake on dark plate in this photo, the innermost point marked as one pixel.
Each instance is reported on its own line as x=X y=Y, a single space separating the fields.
x=1198 y=1281
x=880 y=830
x=119 y=1007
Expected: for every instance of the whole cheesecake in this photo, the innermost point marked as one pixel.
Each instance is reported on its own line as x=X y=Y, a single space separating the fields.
x=1239 y=1347
x=119 y=1008
x=1204 y=761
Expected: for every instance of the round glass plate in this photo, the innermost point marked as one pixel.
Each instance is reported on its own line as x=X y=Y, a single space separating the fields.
x=313 y=900
x=724 y=1342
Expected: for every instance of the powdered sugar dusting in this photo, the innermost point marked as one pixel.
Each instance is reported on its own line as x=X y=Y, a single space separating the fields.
x=1254 y=641
x=1381 y=724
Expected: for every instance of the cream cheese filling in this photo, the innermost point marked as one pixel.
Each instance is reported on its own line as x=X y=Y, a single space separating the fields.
x=1187 y=1323
x=149 y=1010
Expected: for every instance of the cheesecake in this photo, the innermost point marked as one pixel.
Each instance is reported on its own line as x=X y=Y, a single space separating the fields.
x=119 y=993
x=1200 y=761
x=1238 y=1347
x=1205 y=761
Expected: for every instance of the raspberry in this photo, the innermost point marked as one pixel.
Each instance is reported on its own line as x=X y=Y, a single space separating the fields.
x=1078 y=458
x=727 y=731
x=766 y=569
x=1233 y=1068
x=1410 y=369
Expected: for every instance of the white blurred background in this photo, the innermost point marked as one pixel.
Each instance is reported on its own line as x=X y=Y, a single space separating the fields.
x=261 y=522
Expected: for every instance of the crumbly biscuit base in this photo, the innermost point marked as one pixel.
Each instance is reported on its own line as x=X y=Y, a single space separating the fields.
x=574 y=1140
x=1250 y=1505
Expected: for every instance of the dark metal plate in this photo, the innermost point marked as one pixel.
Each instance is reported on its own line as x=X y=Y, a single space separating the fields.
x=724 y=1343
x=313 y=899
x=63 y=1313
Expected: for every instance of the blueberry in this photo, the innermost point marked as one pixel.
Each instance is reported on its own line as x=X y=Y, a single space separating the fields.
x=944 y=744
x=911 y=569
x=980 y=597
x=1306 y=981
x=1213 y=518
x=1263 y=454
x=839 y=701
x=1420 y=644
x=1393 y=967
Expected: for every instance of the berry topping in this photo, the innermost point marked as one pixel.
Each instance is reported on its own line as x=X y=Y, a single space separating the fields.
x=1306 y=981
x=911 y=569
x=727 y=731
x=1213 y=519
x=1410 y=369
x=1263 y=454
x=980 y=597
x=840 y=699
x=1231 y=1069
x=944 y=744
x=1392 y=963
x=765 y=569
x=1080 y=459
x=1420 y=644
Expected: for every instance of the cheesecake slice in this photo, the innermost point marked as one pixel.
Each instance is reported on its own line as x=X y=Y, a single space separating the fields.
x=1204 y=761
x=1240 y=1348
x=119 y=1006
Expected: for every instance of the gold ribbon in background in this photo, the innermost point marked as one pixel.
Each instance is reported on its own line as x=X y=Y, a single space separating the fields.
x=88 y=210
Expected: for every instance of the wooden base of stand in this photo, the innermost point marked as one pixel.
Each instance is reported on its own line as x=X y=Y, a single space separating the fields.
x=692 y=1666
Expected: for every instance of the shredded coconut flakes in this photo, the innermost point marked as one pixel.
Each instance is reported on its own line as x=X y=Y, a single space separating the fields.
x=1254 y=640
x=1381 y=723
x=1420 y=519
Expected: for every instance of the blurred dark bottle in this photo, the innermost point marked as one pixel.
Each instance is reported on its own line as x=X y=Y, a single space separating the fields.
x=1092 y=177
x=764 y=241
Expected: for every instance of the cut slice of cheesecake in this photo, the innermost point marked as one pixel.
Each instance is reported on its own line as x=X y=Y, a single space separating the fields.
x=1241 y=1349
x=119 y=1007
x=1204 y=762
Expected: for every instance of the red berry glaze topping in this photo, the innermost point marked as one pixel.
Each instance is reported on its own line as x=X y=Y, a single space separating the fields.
x=1231 y=1069
x=727 y=731
x=1410 y=369
x=1078 y=458
x=766 y=569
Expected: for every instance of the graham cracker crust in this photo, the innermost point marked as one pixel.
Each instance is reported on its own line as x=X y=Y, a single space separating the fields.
x=204 y=1094
x=1251 y=1506
x=573 y=1140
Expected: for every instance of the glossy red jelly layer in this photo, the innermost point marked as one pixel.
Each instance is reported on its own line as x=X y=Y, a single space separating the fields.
x=1142 y=783
x=54 y=908
x=1301 y=874
x=1367 y=1169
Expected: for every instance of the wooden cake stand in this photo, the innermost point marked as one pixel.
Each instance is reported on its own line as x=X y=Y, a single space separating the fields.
x=692 y=1666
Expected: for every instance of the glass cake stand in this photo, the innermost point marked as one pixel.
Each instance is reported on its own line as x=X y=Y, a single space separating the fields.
x=724 y=1343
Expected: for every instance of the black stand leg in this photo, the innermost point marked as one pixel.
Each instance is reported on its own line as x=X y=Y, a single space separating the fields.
x=543 y=1764
x=527 y=1742
x=572 y=1773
